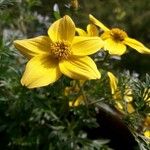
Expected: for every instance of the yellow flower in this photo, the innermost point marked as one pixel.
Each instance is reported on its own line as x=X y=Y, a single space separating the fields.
x=91 y=31
x=116 y=40
x=117 y=96
x=59 y=53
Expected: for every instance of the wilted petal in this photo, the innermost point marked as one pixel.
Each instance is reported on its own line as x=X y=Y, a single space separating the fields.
x=34 y=46
x=98 y=23
x=83 y=46
x=82 y=68
x=114 y=48
x=62 y=29
x=137 y=45
x=92 y=30
x=40 y=71
x=81 y=32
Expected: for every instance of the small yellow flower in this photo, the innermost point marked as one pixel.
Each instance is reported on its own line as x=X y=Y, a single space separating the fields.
x=116 y=40
x=117 y=96
x=59 y=53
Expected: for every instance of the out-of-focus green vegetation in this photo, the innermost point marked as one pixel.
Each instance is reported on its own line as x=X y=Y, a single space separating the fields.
x=40 y=119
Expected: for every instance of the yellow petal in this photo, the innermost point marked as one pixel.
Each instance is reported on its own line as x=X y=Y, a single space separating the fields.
x=40 y=71
x=106 y=35
x=119 y=106
x=130 y=108
x=82 y=68
x=114 y=48
x=34 y=46
x=146 y=95
x=81 y=32
x=83 y=46
x=98 y=23
x=128 y=95
x=137 y=45
x=77 y=102
x=62 y=29
x=147 y=134
x=92 y=30
x=113 y=82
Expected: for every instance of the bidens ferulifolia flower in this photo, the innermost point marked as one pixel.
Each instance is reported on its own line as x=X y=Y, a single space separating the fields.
x=116 y=40
x=59 y=53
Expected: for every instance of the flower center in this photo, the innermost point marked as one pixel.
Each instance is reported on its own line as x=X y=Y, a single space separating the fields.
x=61 y=50
x=118 y=34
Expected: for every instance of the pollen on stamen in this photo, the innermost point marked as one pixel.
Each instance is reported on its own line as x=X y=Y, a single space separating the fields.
x=61 y=50
x=118 y=34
